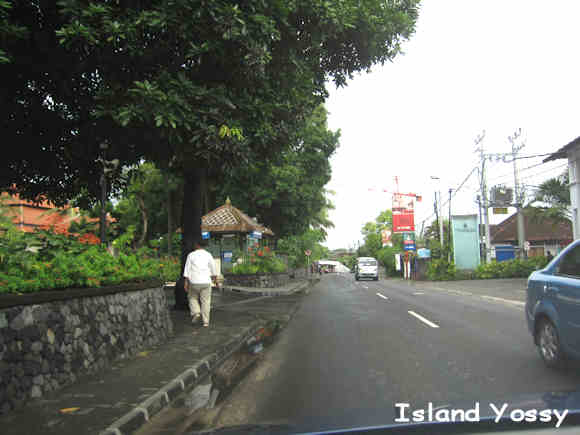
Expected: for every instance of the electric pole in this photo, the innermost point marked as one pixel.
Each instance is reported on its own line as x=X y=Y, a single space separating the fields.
x=449 y=230
x=483 y=183
x=518 y=194
x=439 y=209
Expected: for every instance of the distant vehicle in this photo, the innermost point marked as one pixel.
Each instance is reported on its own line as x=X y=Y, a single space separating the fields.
x=553 y=307
x=366 y=267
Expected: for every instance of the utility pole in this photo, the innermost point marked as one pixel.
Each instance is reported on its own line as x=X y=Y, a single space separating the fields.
x=439 y=211
x=449 y=230
x=483 y=183
x=481 y=252
x=518 y=194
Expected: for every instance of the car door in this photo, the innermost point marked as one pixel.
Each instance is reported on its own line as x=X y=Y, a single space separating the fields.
x=564 y=286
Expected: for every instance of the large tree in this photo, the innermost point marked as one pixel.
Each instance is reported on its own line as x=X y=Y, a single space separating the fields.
x=193 y=85
x=287 y=193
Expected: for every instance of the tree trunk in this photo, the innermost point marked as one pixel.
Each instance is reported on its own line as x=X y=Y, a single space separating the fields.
x=169 y=217
x=190 y=223
x=141 y=203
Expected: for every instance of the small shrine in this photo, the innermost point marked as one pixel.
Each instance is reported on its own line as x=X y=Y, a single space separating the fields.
x=228 y=229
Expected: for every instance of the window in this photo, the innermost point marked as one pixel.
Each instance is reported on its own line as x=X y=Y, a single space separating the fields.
x=570 y=264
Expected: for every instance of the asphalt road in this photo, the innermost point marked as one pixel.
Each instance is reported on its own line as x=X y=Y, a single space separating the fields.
x=354 y=349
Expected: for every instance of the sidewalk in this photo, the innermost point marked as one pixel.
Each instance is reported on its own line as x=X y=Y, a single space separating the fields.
x=511 y=290
x=120 y=399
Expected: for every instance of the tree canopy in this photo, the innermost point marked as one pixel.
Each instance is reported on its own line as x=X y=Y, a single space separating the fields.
x=195 y=86
x=287 y=193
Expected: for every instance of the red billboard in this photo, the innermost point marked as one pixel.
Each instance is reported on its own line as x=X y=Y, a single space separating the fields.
x=403 y=213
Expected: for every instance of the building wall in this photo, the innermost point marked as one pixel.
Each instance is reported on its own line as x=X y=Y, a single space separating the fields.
x=574 y=174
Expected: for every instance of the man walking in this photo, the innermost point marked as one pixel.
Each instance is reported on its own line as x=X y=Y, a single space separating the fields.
x=200 y=272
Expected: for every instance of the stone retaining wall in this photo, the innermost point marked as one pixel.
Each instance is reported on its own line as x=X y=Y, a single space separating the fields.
x=266 y=280
x=46 y=346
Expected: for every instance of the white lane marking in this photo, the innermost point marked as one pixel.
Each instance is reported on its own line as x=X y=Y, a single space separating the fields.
x=382 y=296
x=418 y=293
x=423 y=319
x=505 y=301
x=365 y=286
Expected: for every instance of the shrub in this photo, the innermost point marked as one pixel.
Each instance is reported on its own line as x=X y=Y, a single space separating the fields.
x=64 y=260
x=441 y=270
x=259 y=260
x=515 y=268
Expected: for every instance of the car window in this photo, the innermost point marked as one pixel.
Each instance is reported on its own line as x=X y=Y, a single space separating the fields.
x=368 y=263
x=570 y=264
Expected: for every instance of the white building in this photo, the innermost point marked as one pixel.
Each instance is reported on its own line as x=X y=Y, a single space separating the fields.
x=572 y=153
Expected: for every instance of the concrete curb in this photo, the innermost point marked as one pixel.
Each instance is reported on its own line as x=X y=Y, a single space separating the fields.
x=297 y=288
x=187 y=380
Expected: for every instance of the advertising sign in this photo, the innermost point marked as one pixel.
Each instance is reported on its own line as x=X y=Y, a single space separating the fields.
x=256 y=234
x=465 y=230
x=409 y=241
x=403 y=213
x=386 y=238
x=205 y=235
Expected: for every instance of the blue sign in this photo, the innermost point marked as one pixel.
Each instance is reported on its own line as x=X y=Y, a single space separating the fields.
x=424 y=253
x=409 y=246
x=227 y=256
x=205 y=235
x=256 y=234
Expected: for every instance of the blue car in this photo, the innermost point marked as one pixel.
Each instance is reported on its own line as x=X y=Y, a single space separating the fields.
x=553 y=307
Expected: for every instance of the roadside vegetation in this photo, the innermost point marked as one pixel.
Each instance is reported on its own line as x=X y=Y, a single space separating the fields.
x=53 y=259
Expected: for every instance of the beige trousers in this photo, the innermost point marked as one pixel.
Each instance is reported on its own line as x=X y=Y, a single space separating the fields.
x=200 y=294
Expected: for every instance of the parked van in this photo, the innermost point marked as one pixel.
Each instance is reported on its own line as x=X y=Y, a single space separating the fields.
x=367 y=267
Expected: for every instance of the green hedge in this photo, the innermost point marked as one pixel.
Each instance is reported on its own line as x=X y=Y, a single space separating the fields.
x=94 y=267
x=31 y=262
x=511 y=268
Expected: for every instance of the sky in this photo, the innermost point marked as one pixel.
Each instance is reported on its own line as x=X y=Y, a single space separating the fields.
x=472 y=66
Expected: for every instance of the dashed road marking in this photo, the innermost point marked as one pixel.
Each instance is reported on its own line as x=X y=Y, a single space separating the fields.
x=423 y=319
x=418 y=293
x=382 y=296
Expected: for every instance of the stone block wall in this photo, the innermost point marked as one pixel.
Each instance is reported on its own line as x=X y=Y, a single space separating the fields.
x=46 y=346
x=266 y=280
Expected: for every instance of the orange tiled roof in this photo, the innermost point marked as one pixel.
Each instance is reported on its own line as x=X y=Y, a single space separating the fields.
x=30 y=216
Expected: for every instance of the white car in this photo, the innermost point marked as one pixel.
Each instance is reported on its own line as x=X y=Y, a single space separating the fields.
x=367 y=267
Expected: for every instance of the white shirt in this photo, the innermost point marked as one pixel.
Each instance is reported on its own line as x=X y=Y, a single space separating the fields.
x=199 y=267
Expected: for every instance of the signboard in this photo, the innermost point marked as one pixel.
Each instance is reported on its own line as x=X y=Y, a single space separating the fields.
x=424 y=253
x=256 y=234
x=409 y=241
x=386 y=238
x=403 y=213
x=465 y=230
x=227 y=256
x=500 y=210
x=205 y=235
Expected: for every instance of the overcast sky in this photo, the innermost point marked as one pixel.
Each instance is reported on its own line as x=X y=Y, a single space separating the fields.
x=472 y=65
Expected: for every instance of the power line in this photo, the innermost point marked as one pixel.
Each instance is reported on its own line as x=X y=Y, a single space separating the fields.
x=543 y=172
x=452 y=195
x=520 y=170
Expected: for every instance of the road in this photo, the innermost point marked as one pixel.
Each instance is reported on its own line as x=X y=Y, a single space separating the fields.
x=354 y=349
